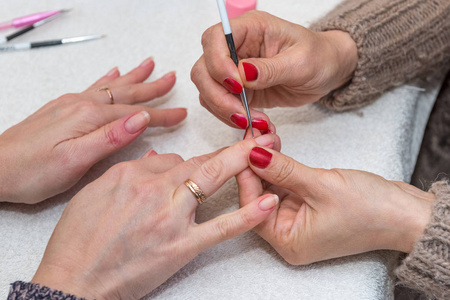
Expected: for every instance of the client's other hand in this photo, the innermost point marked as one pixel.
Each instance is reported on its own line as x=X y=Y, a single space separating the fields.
x=52 y=149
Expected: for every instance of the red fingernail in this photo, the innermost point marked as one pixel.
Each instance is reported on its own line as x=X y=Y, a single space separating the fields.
x=239 y=120
x=251 y=72
x=260 y=124
x=260 y=158
x=266 y=131
x=233 y=86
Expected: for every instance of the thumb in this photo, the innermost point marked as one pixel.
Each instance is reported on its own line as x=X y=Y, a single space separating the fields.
x=230 y=225
x=281 y=170
x=262 y=73
x=111 y=137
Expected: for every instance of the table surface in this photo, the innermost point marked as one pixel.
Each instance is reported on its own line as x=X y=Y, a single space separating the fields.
x=383 y=138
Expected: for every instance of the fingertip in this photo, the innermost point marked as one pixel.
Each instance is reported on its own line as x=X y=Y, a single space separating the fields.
x=171 y=76
x=149 y=153
x=137 y=122
x=148 y=63
x=268 y=202
x=113 y=73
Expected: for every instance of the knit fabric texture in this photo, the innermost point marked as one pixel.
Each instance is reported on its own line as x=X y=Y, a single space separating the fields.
x=26 y=290
x=427 y=267
x=397 y=40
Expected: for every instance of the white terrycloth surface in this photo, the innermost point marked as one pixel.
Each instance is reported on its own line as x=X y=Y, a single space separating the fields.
x=383 y=138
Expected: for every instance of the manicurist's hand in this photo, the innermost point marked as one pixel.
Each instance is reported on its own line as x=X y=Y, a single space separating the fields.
x=130 y=230
x=325 y=214
x=48 y=152
x=281 y=64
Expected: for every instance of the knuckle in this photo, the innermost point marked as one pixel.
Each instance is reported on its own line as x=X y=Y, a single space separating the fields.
x=206 y=36
x=223 y=228
x=120 y=171
x=197 y=161
x=195 y=72
x=212 y=170
x=284 y=173
x=112 y=136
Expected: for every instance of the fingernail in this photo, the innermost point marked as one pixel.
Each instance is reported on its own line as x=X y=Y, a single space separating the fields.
x=169 y=75
x=240 y=120
x=266 y=131
x=251 y=72
x=269 y=202
x=232 y=85
x=149 y=153
x=147 y=62
x=260 y=124
x=260 y=157
x=112 y=72
x=137 y=122
x=265 y=140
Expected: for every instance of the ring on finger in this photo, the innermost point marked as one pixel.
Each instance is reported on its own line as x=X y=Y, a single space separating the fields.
x=196 y=190
x=108 y=91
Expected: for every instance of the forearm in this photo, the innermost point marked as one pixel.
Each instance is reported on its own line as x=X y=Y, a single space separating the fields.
x=397 y=41
x=426 y=267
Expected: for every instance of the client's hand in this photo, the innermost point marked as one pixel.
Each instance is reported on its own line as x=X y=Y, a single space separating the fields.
x=131 y=229
x=282 y=64
x=48 y=152
x=331 y=213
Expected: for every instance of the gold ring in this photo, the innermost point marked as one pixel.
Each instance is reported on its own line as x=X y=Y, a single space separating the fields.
x=109 y=94
x=198 y=193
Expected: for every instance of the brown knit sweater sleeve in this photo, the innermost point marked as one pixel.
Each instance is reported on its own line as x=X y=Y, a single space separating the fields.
x=397 y=40
x=427 y=267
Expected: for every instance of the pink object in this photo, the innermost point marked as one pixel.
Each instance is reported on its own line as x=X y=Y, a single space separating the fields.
x=28 y=20
x=236 y=8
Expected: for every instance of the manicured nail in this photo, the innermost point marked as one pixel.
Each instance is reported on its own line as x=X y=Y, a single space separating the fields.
x=232 y=85
x=240 y=120
x=260 y=157
x=137 y=122
x=269 y=202
x=112 y=72
x=266 y=131
x=260 y=124
x=265 y=140
x=251 y=72
x=169 y=76
x=147 y=62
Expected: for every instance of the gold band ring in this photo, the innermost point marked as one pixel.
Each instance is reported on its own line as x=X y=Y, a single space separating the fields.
x=107 y=90
x=196 y=190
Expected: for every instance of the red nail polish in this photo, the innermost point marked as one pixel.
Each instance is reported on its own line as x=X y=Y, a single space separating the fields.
x=233 y=86
x=263 y=132
x=260 y=158
x=239 y=120
x=251 y=72
x=260 y=124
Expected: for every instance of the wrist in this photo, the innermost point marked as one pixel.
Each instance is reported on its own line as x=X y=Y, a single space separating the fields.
x=410 y=217
x=345 y=55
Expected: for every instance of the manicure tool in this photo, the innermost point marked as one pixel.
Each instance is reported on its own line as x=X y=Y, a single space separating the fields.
x=229 y=37
x=26 y=29
x=26 y=46
x=30 y=19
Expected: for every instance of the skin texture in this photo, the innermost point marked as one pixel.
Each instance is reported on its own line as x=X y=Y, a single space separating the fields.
x=139 y=226
x=52 y=149
x=294 y=65
x=325 y=214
